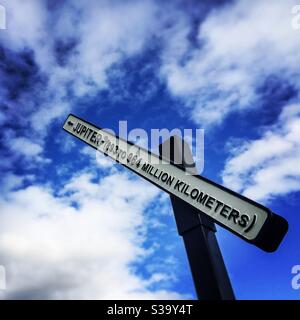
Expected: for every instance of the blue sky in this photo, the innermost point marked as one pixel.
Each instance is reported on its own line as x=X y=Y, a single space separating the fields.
x=75 y=225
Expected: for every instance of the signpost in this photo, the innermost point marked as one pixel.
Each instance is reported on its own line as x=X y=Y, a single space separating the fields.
x=245 y=218
x=198 y=232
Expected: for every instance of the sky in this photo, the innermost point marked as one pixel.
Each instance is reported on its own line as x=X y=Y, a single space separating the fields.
x=74 y=225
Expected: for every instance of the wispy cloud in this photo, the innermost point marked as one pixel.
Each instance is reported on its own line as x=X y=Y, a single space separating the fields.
x=268 y=166
x=72 y=48
x=237 y=47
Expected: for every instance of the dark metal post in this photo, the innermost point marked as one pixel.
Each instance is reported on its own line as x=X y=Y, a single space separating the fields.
x=198 y=231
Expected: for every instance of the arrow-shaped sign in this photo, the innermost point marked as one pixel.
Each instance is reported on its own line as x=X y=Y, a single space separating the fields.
x=247 y=219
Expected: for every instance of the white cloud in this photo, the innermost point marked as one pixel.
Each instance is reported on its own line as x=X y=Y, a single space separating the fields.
x=80 y=244
x=31 y=152
x=25 y=24
x=268 y=166
x=103 y=34
x=11 y=181
x=25 y=147
x=238 y=46
x=97 y=159
x=66 y=143
x=107 y=34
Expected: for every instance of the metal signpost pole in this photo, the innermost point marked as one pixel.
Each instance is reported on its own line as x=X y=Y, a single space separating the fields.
x=198 y=231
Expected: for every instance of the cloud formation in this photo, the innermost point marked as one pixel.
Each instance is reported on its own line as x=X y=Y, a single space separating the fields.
x=83 y=241
x=268 y=166
x=71 y=47
x=80 y=244
x=57 y=55
x=237 y=48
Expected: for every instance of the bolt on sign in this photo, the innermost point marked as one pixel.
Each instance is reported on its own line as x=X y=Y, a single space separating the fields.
x=245 y=218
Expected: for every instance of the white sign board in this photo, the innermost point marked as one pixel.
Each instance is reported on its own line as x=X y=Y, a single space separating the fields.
x=238 y=214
